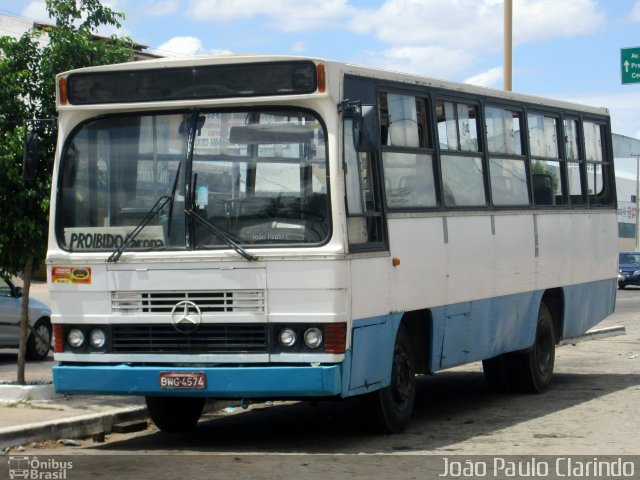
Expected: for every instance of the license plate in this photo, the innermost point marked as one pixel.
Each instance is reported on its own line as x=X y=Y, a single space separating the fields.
x=183 y=380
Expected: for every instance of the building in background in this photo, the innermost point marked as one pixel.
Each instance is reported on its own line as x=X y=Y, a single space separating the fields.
x=626 y=151
x=16 y=26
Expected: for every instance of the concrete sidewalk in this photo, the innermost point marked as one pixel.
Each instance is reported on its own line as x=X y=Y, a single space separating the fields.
x=34 y=412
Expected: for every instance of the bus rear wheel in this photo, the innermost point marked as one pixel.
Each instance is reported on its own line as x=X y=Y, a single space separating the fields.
x=528 y=371
x=175 y=414
x=535 y=366
x=392 y=406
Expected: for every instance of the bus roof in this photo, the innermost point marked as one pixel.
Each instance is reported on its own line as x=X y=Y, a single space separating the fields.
x=350 y=69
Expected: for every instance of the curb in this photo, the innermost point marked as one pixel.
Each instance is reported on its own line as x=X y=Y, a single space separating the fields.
x=16 y=393
x=85 y=425
x=75 y=427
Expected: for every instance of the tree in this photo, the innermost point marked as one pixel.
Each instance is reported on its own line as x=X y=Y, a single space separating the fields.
x=28 y=67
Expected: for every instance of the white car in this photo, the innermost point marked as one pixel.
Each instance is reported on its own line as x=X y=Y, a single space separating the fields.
x=39 y=317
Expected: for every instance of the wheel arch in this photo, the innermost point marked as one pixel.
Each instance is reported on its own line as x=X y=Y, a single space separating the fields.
x=418 y=323
x=554 y=300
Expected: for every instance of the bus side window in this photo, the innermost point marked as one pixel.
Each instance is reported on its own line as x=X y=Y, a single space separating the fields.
x=407 y=154
x=461 y=163
x=596 y=167
x=547 y=167
x=507 y=164
x=574 y=160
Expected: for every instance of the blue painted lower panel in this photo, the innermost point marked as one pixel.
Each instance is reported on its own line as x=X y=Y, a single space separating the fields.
x=369 y=364
x=459 y=333
x=221 y=382
x=483 y=328
x=586 y=305
x=480 y=329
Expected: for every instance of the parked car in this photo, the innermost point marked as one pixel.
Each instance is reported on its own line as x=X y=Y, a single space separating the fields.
x=628 y=269
x=39 y=318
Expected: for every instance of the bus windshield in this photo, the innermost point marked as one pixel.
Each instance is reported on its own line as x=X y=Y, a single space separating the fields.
x=260 y=177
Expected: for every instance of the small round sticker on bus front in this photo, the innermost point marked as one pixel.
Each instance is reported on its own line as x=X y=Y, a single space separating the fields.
x=186 y=316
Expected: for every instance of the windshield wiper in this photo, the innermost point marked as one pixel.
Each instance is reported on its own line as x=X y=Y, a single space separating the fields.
x=157 y=207
x=221 y=235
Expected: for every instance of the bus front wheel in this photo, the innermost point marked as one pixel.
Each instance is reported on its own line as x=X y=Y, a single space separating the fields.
x=393 y=405
x=175 y=414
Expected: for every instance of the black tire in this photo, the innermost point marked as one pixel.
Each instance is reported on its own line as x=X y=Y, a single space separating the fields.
x=498 y=373
x=38 y=346
x=392 y=406
x=621 y=286
x=175 y=414
x=534 y=368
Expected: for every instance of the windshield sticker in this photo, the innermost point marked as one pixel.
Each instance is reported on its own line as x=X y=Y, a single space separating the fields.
x=71 y=274
x=202 y=199
x=96 y=238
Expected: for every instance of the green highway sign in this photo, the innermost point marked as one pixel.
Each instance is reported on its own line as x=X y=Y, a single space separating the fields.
x=630 y=63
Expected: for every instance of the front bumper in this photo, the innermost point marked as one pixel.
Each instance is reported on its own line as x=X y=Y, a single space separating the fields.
x=221 y=382
x=628 y=279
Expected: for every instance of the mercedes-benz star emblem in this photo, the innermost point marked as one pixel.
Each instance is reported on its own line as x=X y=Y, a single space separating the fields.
x=186 y=316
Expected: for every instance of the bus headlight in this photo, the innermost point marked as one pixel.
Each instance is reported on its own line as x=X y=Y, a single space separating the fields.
x=287 y=337
x=313 y=337
x=97 y=339
x=75 y=338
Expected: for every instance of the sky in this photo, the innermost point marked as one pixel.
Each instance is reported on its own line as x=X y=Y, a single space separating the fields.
x=564 y=49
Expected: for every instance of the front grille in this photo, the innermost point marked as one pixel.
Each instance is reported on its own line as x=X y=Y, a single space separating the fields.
x=208 y=338
x=237 y=301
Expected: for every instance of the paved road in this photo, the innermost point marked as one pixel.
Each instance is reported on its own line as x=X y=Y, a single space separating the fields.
x=591 y=409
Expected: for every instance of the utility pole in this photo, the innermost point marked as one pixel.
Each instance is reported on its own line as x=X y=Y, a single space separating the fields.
x=508 y=44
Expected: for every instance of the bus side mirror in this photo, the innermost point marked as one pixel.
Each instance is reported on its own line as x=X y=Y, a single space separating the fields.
x=30 y=161
x=365 y=128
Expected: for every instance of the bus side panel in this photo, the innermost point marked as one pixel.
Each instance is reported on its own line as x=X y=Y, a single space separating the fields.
x=370 y=292
x=460 y=258
x=471 y=331
x=576 y=248
x=586 y=305
x=371 y=354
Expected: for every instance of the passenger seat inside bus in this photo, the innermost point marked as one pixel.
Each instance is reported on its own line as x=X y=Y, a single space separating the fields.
x=543 y=189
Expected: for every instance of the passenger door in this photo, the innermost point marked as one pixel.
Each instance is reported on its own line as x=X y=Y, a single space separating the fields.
x=365 y=218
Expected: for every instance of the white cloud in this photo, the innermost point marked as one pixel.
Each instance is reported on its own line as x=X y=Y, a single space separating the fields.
x=476 y=24
x=536 y=20
x=180 y=46
x=286 y=15
x=429 y=60
x=471 y=28
x=635 y=12
x=491 y=78
x=454 y=24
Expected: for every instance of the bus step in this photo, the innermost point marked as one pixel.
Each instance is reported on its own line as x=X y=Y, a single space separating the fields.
x=596 y=334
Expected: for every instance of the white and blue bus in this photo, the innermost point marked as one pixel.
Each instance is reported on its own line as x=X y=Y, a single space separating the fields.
x=271 y=227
